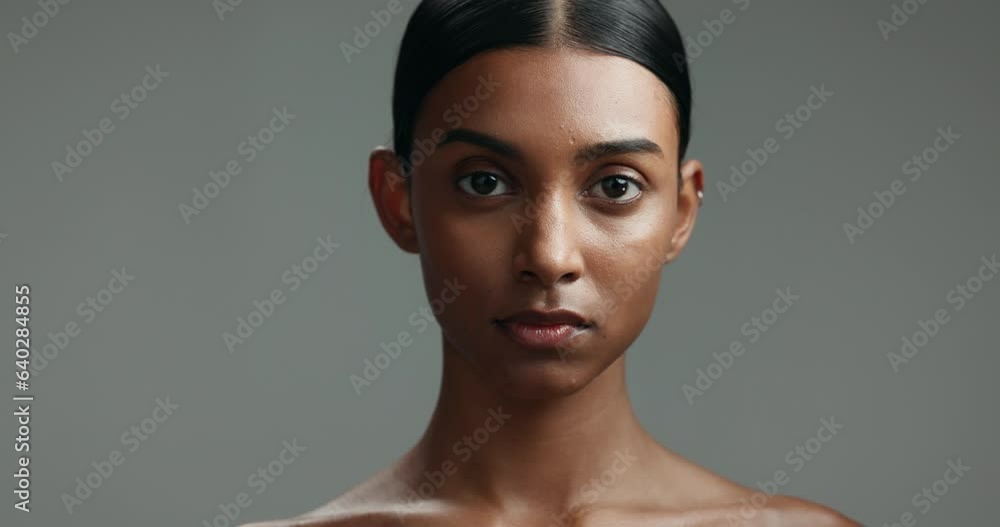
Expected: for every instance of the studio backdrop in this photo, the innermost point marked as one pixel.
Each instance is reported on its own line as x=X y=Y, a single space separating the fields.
x=183 y=194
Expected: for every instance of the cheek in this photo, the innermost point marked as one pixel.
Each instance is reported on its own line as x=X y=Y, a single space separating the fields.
x=464 y=243
x=471 y=250
x=625 y=291
x=627 y=279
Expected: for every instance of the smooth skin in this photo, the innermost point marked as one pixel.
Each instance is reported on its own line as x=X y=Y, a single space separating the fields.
x=535 y=224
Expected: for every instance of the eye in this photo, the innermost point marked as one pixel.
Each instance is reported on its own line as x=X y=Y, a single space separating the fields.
x=483 y=184
x=617 y=188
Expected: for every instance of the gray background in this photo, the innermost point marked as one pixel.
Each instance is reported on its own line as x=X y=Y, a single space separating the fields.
x=162 y=336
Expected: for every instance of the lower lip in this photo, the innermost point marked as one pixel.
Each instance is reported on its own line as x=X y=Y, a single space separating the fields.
x=538 y=336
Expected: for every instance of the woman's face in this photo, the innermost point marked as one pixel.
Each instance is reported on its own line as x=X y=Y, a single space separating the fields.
x=543 y=204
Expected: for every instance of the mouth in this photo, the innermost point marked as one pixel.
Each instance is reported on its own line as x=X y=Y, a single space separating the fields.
x=543 y=329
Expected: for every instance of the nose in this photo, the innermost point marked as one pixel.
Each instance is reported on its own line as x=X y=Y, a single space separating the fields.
x=548 y=250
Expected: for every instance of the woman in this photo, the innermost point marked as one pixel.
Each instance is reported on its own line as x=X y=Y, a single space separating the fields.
x=540 y=175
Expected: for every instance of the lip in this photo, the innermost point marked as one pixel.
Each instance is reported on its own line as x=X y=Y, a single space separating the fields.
x=554 y=317
x=543 y=329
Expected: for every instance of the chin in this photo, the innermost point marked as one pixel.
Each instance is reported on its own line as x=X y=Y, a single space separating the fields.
x=539 y=381
x=530 y=373
x=535 y=374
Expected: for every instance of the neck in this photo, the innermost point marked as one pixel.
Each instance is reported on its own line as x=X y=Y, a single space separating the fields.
x=483 y=446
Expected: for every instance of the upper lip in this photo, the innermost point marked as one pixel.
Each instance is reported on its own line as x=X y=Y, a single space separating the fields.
x=546 y=318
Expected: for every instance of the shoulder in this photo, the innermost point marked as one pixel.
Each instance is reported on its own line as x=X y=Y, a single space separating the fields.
x=320 y=518
x=710 y=497
x=374 y=513
x=788 y=511
x=382 y=500
x=775 y=511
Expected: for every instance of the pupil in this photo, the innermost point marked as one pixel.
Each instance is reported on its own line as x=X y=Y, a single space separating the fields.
x=615 y=187
x=484 y=183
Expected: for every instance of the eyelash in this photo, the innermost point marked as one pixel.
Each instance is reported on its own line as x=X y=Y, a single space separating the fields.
x=640 y=185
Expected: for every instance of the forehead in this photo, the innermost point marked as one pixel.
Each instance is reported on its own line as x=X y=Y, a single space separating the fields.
x=550 y=100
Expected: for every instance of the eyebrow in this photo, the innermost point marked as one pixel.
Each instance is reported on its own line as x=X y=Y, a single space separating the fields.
x=639 y=145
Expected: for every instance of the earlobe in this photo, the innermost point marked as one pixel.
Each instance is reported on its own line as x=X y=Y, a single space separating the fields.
x=390 y=194
x=689 y=200
x=694 y=171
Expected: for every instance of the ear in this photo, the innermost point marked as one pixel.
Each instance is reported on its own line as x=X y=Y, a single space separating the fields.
x=692 y=181
x=390 y=193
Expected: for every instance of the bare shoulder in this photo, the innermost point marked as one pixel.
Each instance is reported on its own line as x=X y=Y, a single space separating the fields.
x=373 y=504
x=752 y=508
x=329 y=517
x=710 y=499
x=775 y=511
x=377 y=502
x=354 y=521
x=788 y=511
x=389 y=517
x=778 y=511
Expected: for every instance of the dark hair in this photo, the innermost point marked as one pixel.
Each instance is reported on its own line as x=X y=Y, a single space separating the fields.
x=443 y=34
